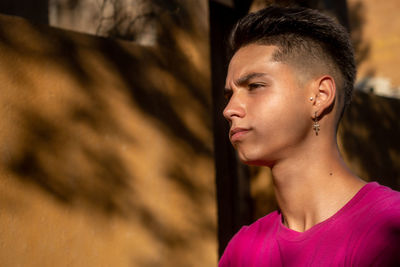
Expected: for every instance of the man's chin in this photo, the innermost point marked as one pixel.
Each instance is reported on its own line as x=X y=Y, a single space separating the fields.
x=252 y=160
x=257 y=163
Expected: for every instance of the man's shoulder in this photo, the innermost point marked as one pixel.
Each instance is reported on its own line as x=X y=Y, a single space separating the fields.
x=246 y=236
x=380 y=210
x=379 y=228
x=266 y=221
x=388 y=202
x=383 y=198
x=265 y=225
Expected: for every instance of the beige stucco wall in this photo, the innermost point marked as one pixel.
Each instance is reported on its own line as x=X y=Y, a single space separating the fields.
x=106 y=148
x=378 y=27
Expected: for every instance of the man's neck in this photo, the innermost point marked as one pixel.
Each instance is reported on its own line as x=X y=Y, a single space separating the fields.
x=311 y=188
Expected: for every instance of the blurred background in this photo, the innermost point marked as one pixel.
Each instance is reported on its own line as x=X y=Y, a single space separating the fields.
x=113 y=148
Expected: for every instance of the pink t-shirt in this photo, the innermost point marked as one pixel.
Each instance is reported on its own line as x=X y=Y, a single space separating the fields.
x=365 y=232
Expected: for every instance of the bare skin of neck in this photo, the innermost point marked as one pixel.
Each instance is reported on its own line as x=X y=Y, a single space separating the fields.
x=313 y=185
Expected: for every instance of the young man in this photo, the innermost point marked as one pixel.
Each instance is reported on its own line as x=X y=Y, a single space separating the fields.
x=288 y=82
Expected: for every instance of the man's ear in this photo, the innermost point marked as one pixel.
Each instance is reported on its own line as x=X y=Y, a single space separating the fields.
x=326 y=95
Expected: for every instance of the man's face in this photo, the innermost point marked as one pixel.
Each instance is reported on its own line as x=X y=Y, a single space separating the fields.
x=268 y=109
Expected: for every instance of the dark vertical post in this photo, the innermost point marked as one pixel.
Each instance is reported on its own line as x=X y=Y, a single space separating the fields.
x=232 y=179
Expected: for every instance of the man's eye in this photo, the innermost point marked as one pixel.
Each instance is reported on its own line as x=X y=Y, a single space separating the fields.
x=253 y=86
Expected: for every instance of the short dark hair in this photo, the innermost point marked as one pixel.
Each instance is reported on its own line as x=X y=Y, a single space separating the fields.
x=303 y=36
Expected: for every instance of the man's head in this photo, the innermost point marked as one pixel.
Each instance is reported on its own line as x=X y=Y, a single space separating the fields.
x=311 y=42
x=288 y=67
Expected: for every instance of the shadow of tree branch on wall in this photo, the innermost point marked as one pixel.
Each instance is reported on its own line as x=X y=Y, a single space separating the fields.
x=40 y=153
x=87 y=112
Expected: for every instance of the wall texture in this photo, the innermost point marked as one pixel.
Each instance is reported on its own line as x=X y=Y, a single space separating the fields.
x=376 y=33
x=106 y=147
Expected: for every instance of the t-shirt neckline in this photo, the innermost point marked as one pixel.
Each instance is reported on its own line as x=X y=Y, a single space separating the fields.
x=289 y=234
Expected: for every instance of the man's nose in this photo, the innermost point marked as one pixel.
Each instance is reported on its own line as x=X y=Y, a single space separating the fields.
x=234 y=108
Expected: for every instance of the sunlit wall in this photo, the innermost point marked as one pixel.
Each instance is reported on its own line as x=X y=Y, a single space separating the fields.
x=106 y=146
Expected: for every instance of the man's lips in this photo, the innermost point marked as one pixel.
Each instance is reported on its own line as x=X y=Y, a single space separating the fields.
x=237 y=133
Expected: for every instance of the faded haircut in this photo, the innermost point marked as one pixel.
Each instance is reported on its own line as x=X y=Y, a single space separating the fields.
x=307 y=39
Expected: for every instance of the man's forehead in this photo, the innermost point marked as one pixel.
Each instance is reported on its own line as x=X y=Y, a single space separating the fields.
x=249 y=62
x=251 y=55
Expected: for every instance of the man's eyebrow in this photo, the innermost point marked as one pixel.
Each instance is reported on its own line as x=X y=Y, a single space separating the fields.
x=245 y=79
